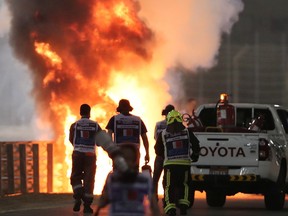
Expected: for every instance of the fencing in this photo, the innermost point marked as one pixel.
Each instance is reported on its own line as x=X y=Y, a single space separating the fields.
x=26 y=167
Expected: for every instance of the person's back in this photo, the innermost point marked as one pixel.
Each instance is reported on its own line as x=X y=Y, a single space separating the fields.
x=127 y=128
x=83 y=136
x=127 y=196
x=160 y=126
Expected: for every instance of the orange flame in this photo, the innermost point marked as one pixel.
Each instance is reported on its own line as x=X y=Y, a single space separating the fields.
x=119 y=52
x=54 y=61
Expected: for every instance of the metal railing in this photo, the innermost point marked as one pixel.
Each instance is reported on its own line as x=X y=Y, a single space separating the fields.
x=26 y=167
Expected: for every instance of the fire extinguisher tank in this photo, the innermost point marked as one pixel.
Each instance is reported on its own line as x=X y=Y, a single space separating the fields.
x=225 y=113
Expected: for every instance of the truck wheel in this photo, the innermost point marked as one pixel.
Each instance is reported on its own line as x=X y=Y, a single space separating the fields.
x=274 y=199
x=215 y=198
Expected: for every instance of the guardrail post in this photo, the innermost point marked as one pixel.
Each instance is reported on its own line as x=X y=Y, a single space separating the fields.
x=49 y=168
x=10 y=168
x=23 y=173
x=35 y=150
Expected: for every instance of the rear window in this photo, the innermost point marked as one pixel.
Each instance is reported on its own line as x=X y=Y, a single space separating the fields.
x=269 y=121
x=244 y=117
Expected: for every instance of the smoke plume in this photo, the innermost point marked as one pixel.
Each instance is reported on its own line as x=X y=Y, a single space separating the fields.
x=17 y=107
x=188 y=34
x=4 y=19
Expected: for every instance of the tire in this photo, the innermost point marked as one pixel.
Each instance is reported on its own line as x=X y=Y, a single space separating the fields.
x=274 y=199
x=215 y=198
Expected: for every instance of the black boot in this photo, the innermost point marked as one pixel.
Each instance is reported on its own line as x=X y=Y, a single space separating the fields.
x=77 y=205
x=87 y=209
x=171 y=212
x=77 y=195
x=183 y=209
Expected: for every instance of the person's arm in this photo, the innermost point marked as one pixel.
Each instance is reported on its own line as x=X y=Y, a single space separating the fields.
x=110 y=127
x=110 y=132
x=155 y=132
x=144 y=137
x=104 y=140
x=195 y=146
x=146 y=146
x=159 y=146
x=71 y=133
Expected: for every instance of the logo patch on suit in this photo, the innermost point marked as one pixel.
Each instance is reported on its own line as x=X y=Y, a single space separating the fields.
x=85 y=134
x=177 y=144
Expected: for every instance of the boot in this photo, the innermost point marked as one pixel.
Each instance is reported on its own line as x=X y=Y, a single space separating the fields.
x=87 y=209
x=171 y=212
x=183 y=209
x=77 y=205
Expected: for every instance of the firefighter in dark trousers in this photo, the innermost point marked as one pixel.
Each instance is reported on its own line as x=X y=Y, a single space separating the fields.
x=158 y=163
x=84 y=135
x=128 y=128
x=179 y=147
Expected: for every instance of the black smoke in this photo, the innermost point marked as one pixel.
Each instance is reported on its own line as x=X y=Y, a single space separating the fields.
x=73 y=29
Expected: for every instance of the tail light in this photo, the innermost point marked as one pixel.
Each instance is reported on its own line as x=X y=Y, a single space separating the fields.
x=264 y=150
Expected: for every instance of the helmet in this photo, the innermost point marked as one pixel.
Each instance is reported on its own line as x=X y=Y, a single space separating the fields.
x=174 y=116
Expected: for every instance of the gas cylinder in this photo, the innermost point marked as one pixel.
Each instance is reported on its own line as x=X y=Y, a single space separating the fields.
x=225 y=113
x=146 y=169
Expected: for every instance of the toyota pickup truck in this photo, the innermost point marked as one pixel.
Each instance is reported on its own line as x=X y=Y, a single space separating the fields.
x=240 y=159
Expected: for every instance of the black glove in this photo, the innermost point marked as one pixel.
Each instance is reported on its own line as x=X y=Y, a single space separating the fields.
x=194 y=157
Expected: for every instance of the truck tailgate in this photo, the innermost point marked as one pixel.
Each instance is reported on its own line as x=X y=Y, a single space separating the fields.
x=228 y=149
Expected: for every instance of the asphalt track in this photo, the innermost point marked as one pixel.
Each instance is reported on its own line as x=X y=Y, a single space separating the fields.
x=238 y=205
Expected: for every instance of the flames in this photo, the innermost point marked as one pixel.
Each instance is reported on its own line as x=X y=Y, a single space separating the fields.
x=54 y=62
x=99 y=60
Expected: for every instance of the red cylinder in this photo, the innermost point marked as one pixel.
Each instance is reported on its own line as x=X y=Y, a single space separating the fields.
x=225 y=115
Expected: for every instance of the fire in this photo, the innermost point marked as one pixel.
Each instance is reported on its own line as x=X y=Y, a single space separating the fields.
x=122 y=11
x=97 y=57
x=54 y=61
x=45 y=51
